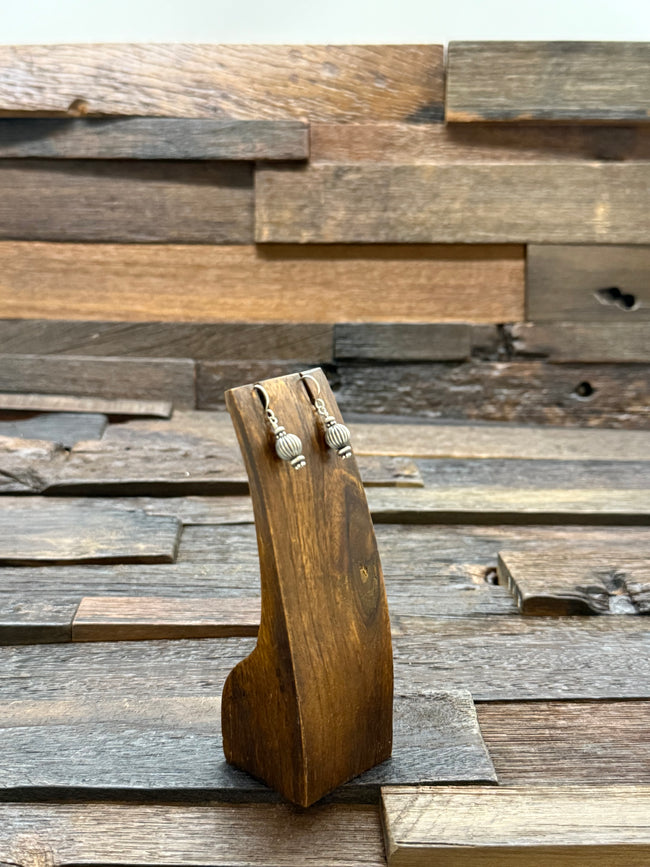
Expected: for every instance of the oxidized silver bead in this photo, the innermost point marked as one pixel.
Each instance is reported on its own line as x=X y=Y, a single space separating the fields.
x=289 y=448
x=337 y=436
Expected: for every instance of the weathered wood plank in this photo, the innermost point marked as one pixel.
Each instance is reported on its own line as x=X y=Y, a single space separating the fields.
x=215 y=834
x=534 y=743
x=24 y=464
x=401 y=143
x=541 y=202
x=245 y=82
x=67 y=533
x=37 y=617
x=517 y=825
x=141 y=138
x=110 y=378
x=203 y=341
x=560 y=583
x=126 y=200
x=579 y=342
x=161 y=743
x=533 y=81
x=244 y=283
x=606 y=395
x=588 y=284
x=65 y=428
x=69 y=403
x=397 y=342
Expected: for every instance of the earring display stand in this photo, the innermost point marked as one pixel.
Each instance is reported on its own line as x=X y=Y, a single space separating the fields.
x=311 y=706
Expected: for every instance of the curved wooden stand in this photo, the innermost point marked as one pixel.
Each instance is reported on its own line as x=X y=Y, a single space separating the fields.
x=311 y=707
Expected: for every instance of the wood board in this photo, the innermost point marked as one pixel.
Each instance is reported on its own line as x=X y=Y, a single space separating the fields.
x=69 y=403
x=566 y=342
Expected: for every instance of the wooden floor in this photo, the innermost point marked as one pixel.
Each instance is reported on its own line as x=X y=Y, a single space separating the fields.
x=517 y=564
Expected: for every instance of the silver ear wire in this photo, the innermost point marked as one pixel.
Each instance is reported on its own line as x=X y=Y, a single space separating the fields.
x=337 y=435
x=288 y=446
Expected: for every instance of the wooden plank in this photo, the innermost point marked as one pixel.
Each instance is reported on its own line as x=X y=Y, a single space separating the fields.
x=65 y=533
x=397 y=342
x=549 y=81
x=607 y=395
x=197 y=835
x=110 y=378
x=541 y=203
x=160 y=743
x=517 y=825
x=65 y=428
x=534 y=743
x=24 y=464
x=126 y=200
x=139 y=618
x=36 y=618
x=524 y=658
x=588 y=284
x=157 y=138
x=276 y=341
x=320 y=284
x=561 y=583
x=245 y=82
x=69 y=403
x=401 y=143
x=579 y=342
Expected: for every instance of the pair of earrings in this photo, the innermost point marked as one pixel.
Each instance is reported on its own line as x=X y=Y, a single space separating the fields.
x=288 y=446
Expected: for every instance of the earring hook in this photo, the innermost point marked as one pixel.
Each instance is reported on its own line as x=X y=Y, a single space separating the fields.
x=260 y=388
x=304 y=376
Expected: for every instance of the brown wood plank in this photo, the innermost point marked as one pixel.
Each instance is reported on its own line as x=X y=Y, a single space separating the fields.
x=392 y=341
x=607 y=395
x=401 y=143
x=579 y=342
x=70 y=403
x=126 y=200
x=560 y=583
x=215 y=834
x=588 y=284
x=158 y=138
x=275 y=341
x=320 y=284
x=110 y=378
x=534 y=743
x=245 y=82
x=61 y=532
x=517 y=826
x=549 y=81
x=541 y=202
x=65 y=428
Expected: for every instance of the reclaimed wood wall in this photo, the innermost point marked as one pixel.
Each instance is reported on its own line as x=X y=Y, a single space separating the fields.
x=465 y=237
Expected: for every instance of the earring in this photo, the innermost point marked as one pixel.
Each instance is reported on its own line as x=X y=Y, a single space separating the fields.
x=337 y=435
x=288 y=446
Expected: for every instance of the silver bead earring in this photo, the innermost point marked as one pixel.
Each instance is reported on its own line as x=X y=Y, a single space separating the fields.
x=288 y=446
x=337 y=435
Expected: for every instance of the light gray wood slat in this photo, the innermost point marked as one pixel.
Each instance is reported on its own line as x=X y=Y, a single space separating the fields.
x=55 y=427
x=578 y=342
x=70 y=403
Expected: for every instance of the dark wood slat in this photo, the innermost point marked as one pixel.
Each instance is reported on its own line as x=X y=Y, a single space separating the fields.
x=129 y=200
x=255 y=82
x=518 y=826
x=588 y=284
x=214 y=834
x=206 y=341
x=541 y=203
x=61 y=532
x=37 y=618
x=533 y=81
x=559 y=583
x=69 y=403
x=568 y=742
x=579 y=342
x=110 y=378
x=65 y=428
x=388 y=341
x=142 y=138
x=161 y=743
x=607 y=395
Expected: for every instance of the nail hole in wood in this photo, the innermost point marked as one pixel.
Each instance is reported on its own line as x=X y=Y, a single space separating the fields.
x=613 y=295
x=490 y=575
x=584 y=390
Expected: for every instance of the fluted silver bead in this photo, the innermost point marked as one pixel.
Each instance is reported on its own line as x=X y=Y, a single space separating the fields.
x=337 y=436
x=289 y=448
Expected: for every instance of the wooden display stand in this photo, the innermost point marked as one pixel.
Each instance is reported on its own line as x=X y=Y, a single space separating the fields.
x=311 y=707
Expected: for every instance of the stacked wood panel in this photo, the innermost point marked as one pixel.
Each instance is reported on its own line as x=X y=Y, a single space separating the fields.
x=178 y=219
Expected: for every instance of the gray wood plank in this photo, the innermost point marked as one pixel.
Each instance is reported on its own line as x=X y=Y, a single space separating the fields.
x=579 y=342
x=198 y=340
x=70 y=403
x=126 y=200
x=36 y=618
x=111 y=378
x=56 y=427
x=395 y=341
x=159 y=138
x=541 y=202
x=25 y=464
x=533 y=81
x=598 y=283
